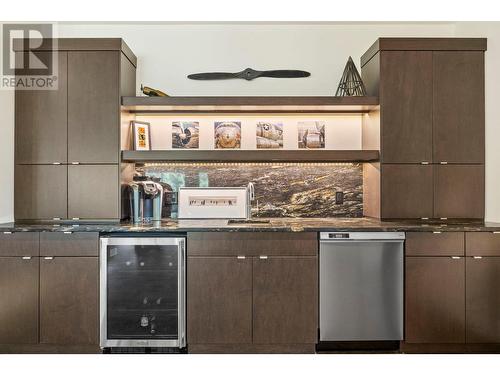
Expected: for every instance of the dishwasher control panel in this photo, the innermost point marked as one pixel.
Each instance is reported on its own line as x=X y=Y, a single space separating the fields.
x=362 y=236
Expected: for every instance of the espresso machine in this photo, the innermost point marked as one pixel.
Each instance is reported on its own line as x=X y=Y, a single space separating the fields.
x=145 y=200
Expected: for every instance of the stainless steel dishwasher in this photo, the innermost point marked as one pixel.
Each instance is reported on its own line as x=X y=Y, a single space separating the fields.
x=361 y=286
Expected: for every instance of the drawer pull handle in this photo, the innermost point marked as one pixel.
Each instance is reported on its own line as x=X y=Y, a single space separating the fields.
x=56 y=218
x=56 y=163
x=443 y=162
x=48 y=258
x=26 y=258
x=497 y=232
x=68 y=232
x=424 y=162
x=478 y=257
x=437 y=232
x=263 y=257
x=75 y=163
x=456 y=257
x=7 y=232
x=241 y=257
x=424 y=218
x=443 y=218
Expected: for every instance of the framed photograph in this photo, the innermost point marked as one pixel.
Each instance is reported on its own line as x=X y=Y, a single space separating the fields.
x=269 y=134
x=142 y=135
x=311 y=134
x=227 y=134
x=185 y=134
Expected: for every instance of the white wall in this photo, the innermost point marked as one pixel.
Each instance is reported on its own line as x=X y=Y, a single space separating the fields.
x=490 y=30
x=168 y=52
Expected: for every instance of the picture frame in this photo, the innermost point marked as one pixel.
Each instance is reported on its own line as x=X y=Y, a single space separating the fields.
x=141 y=135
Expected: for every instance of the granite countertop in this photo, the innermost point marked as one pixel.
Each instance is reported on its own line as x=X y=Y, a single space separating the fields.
x=274 y=225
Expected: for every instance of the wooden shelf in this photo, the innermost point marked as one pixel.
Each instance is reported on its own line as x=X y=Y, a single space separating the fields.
x=249 y=104
x=181 y=155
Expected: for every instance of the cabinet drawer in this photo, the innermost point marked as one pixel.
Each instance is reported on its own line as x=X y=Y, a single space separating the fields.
x=252 y=244
x=434 y=244
x=19 y=244
x=69 y=244
x=482 y=243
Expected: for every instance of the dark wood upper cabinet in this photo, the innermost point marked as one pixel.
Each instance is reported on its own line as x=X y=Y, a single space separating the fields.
x=406 y=191
x=41 y=192
x=69 y=304
x=94 y=106
x=406 y=106
x=483 y=300
x=459 y=191
x=92 y=192
x=458 y=106
x=219 y=300
x=41 y=121
x=19 y=306
x=435 y=300
x=285 y=300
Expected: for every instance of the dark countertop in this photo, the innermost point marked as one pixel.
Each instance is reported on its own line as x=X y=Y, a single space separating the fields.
x=274 y=225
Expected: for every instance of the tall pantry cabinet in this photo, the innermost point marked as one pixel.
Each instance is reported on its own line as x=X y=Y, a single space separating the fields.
x=67 y=141
x=431 y=127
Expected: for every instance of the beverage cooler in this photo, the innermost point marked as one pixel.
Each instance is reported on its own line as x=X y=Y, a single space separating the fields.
x=142 y=284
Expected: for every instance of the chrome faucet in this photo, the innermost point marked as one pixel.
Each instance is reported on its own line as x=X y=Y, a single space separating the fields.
x=250 y=198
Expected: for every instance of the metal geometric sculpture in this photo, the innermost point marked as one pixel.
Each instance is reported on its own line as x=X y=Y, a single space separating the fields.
x=351 y=83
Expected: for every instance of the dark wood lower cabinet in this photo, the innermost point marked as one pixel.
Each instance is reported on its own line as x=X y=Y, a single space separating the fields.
x=435 y=300
x=219 y=300
x=285 y=300
x=69 y=304
x=483 y=300
x=19 y=300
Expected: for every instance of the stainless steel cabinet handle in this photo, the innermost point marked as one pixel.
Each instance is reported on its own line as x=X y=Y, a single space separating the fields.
x=496 y=232
x=48 y=258
x=424 y=162
x=7 y=232
x=443 y=162
x=437 y=232
x=241 y=257
x=26 y=258
x=456 y=257
x=263 y=257
x=56 y=163
x=68 y=232
x=478 y=257
x=75 y=162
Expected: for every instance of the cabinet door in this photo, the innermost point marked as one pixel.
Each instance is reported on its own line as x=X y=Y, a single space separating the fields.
x=406 y=191
x=41 y=192
x=19 y=306
x=459 y=191
x=458 y=106
x=93 y=191
x=69 y=305
x=435 y=300
x=219 y=300
x=483 y=300
x=41 y=121
x=406 y=101
x=285 y=300
x=93 y=106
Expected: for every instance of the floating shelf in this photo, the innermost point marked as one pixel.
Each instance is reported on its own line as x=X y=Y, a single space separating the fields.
x=181 y=155
x=249 y=104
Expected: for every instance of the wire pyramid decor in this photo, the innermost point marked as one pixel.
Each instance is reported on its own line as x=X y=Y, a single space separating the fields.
x=351 y=83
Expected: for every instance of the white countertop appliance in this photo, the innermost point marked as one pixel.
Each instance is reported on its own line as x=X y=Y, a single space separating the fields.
x=215 y=202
